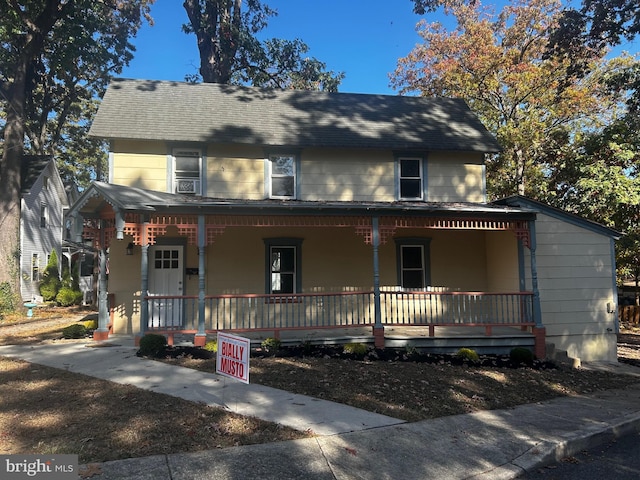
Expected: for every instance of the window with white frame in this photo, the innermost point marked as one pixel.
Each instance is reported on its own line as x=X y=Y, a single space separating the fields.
x=410 y=178
x=413 y=263
x=282 y=173
x=283 y=265
x=35 y=267
x=44 y=215
x=187 y=168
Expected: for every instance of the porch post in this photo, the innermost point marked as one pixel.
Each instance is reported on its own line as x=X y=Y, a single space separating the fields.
x=144 y=282
x=102 y=332
x=201 y=337
x=539 y=332
x=378 y=328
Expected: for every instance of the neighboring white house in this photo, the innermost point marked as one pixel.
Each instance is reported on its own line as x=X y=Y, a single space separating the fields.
x=44 y=200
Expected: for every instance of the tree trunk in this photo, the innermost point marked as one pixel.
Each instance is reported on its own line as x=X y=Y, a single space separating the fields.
x=520 y=171
x=10 y=179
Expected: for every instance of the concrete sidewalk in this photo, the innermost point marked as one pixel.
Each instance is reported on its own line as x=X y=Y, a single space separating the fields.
x=350 y=443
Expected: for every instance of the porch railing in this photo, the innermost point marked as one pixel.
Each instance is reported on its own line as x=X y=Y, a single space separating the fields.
x=456 y=308
x=254 y=312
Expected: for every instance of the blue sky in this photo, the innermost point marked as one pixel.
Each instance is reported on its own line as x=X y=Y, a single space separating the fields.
x=362 y=38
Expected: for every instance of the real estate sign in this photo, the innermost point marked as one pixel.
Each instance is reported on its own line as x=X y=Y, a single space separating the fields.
x=232 y=359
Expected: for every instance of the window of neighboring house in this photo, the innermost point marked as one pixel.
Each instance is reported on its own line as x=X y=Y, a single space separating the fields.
x=44 y=214
x=283 y=265
x=45 y=183
x=187 y=168
x=282 y=170
x=35 y=267
x=410 y=177
x=413 y=263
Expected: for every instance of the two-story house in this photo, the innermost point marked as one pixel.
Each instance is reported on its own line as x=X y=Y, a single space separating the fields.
x=279 y=213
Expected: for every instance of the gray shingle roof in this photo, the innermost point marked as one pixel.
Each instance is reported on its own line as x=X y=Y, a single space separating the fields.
x=183 y=112
x=134 y=199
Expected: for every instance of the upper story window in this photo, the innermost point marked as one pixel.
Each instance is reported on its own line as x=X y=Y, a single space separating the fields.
x=45 y=183
x=44 y=215
x=410 y=178
x=187 y=171
x=282 y=176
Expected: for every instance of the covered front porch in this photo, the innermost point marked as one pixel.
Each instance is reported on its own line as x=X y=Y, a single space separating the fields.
x=437 y=321
x=424 y=275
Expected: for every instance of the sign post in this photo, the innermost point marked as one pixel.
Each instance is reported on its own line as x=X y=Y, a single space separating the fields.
x=232 y=358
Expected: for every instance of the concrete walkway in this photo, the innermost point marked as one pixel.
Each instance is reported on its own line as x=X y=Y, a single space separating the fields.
x=350 y=443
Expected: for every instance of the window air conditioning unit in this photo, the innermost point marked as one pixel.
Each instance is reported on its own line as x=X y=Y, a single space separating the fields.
x=188 y=185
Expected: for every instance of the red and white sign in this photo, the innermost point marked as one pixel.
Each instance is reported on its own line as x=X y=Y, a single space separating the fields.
x=232 y=359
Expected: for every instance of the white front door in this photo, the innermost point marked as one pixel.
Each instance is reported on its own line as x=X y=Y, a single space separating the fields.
x=165 y=278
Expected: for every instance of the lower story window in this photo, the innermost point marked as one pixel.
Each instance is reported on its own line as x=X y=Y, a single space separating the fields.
x=283 y=265
x=413 y=263
x=283 y=269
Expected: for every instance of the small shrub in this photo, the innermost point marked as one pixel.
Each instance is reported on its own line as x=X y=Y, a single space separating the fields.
x=50 y=283
x=468 y=354
x=67 y=297
x=271 y=344
x=90 y=324
x=358 y=349
x=77 y=330
x=520 y=355
x=8 y=300
x=152 y=344
x=211 y=346
x=307 y=347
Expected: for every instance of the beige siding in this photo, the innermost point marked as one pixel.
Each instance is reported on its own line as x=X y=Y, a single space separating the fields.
x=238 y=172
x=124 y=283
x=333 y=259
x=140 y=164
x=502 y=262
x=459 y=260
x=235 y=172
x=340 y=175
x=575 y=280
x=455 y=177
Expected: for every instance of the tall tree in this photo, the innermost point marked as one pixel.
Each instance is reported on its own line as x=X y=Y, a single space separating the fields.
x=231 y=53
x=498 y=64
x=54 y=55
